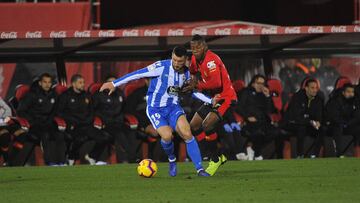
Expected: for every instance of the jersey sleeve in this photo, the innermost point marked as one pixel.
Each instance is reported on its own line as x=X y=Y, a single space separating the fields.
x=213 y=79
x=201 y=97
x=152 y=70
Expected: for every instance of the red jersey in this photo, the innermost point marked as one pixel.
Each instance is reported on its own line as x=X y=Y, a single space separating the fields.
x=215 y=77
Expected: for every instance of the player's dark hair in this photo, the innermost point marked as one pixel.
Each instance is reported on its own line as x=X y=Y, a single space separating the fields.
x=257 y=76
x=179 y=51
x=76 y=77
x=310 y=80
x=44 y=75
x=198 y=38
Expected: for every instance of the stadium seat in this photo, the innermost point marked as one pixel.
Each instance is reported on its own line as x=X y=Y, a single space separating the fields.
x=341 y=81
x=276 y=91
x=132 y=86
x=59 y=89
x=20 y=92
x=94 y=87
x=238 y=85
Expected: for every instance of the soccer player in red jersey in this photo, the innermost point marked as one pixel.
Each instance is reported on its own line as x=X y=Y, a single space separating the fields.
x=215 y=80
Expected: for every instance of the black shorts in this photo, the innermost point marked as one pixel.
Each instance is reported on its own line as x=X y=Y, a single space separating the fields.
x=221 y=111
x=205 y=109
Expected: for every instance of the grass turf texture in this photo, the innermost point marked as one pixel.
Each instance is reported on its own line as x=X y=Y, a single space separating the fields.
x=318 y=180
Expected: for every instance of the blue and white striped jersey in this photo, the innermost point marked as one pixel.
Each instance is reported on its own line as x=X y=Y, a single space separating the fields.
x=165 y=83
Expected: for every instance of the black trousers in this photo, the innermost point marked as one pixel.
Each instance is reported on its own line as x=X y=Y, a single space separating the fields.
x=261 y=133
x=86 y=139
x=45 y=134
x=5 y=139
x=124 y=140
x=339 y=134
x=308 y=139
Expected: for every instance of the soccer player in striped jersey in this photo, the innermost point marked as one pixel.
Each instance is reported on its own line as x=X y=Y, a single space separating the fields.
x=163 y=109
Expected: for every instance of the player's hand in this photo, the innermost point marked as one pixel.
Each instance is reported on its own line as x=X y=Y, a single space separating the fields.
x=7 y=119
x=266 y=91
x=215 y=101
x=252 y=119
x=189 y=85
x=315 y=124
x=108 y=86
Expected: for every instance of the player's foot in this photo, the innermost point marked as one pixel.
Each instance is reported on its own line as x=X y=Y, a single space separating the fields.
x=90 y=160
x=213 y=167
x=172 y=169
x=259 y=158
x=223 y=159
x=202 y=172
x=241 y=157
x=71 y=162
x=52 y=164
x=101 y=163
x=250 y=153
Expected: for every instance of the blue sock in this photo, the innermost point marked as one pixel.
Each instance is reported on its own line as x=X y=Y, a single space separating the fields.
x=193 y=151
x=169 y=149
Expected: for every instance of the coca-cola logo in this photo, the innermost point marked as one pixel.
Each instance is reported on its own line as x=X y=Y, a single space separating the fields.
x=82 y=33
x=36 y=34
x=199 y=31
x=357 y=28
x=155 y=32
x=270 y=30
x=177 y=32
x=60 y=34
x=338 y=29
x=225 y=31
x=292 y=30
x=316 y=29
x=247 y=31
x=8 y=35
x=131 y=33
x=106 y=33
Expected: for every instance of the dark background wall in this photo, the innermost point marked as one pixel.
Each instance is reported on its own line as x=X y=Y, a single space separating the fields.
x=120 y=13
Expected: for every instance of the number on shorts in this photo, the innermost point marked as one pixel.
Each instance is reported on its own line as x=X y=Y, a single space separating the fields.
x=155 y=117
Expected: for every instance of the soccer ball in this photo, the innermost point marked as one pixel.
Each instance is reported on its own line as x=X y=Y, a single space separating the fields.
x=147 y=168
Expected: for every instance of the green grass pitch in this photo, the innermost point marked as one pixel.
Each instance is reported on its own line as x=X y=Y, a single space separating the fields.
x=306 y=180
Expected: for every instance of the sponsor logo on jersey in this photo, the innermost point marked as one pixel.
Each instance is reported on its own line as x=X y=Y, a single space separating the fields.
x=211 y=65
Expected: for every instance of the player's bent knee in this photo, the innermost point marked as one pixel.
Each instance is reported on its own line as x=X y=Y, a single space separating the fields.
x=187 y=135
x=166 y=137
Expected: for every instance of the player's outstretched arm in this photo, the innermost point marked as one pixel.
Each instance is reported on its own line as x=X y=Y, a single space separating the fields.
x=150 y=71
x=202 y=97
